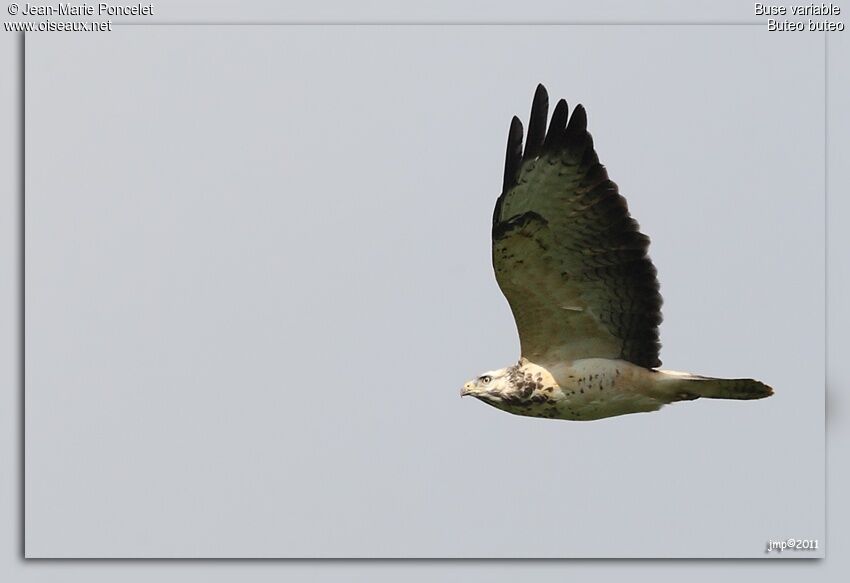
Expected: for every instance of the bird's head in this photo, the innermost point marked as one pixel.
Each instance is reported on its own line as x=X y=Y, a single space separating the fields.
x=491 y=387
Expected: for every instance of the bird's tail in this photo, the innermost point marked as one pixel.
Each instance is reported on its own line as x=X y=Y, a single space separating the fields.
x=686 y=386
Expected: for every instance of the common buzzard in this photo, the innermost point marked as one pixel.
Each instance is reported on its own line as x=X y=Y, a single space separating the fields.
x=574 y=267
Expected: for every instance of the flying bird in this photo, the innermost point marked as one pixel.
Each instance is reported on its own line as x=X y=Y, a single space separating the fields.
x=584 y=293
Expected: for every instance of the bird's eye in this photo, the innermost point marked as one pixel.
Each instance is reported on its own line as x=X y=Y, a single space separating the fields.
x=485 y=379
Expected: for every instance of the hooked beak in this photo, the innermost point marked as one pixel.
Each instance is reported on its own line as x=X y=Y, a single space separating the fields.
x=466 y=390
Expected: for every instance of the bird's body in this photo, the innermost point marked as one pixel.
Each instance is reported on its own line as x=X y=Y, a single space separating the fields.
x=581 y=391
x=595 y=388
x=575 y=270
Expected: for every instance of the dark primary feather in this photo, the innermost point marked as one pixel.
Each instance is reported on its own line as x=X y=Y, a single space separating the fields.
x=513 y=156
x=537 y=123
x=556 y=126
x=568 y=256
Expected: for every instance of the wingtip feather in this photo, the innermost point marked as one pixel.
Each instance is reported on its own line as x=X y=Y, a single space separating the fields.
x=578 y=122
x=537 y=123
x=557 y=125
x=513 y=155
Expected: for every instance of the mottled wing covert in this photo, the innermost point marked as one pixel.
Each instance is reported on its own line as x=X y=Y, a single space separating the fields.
x=568 y=256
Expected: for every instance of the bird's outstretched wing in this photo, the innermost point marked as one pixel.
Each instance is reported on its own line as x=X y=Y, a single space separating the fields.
x=568 y=256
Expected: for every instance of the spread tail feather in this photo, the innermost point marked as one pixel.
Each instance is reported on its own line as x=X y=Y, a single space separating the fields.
x=687 y=386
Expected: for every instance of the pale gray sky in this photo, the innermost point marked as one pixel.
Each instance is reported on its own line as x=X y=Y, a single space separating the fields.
x=258 y=273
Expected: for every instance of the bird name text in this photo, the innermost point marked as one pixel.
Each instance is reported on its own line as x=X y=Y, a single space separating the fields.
x=799 y=10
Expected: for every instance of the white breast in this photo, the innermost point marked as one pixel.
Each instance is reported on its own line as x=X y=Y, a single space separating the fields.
x=594 y=388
